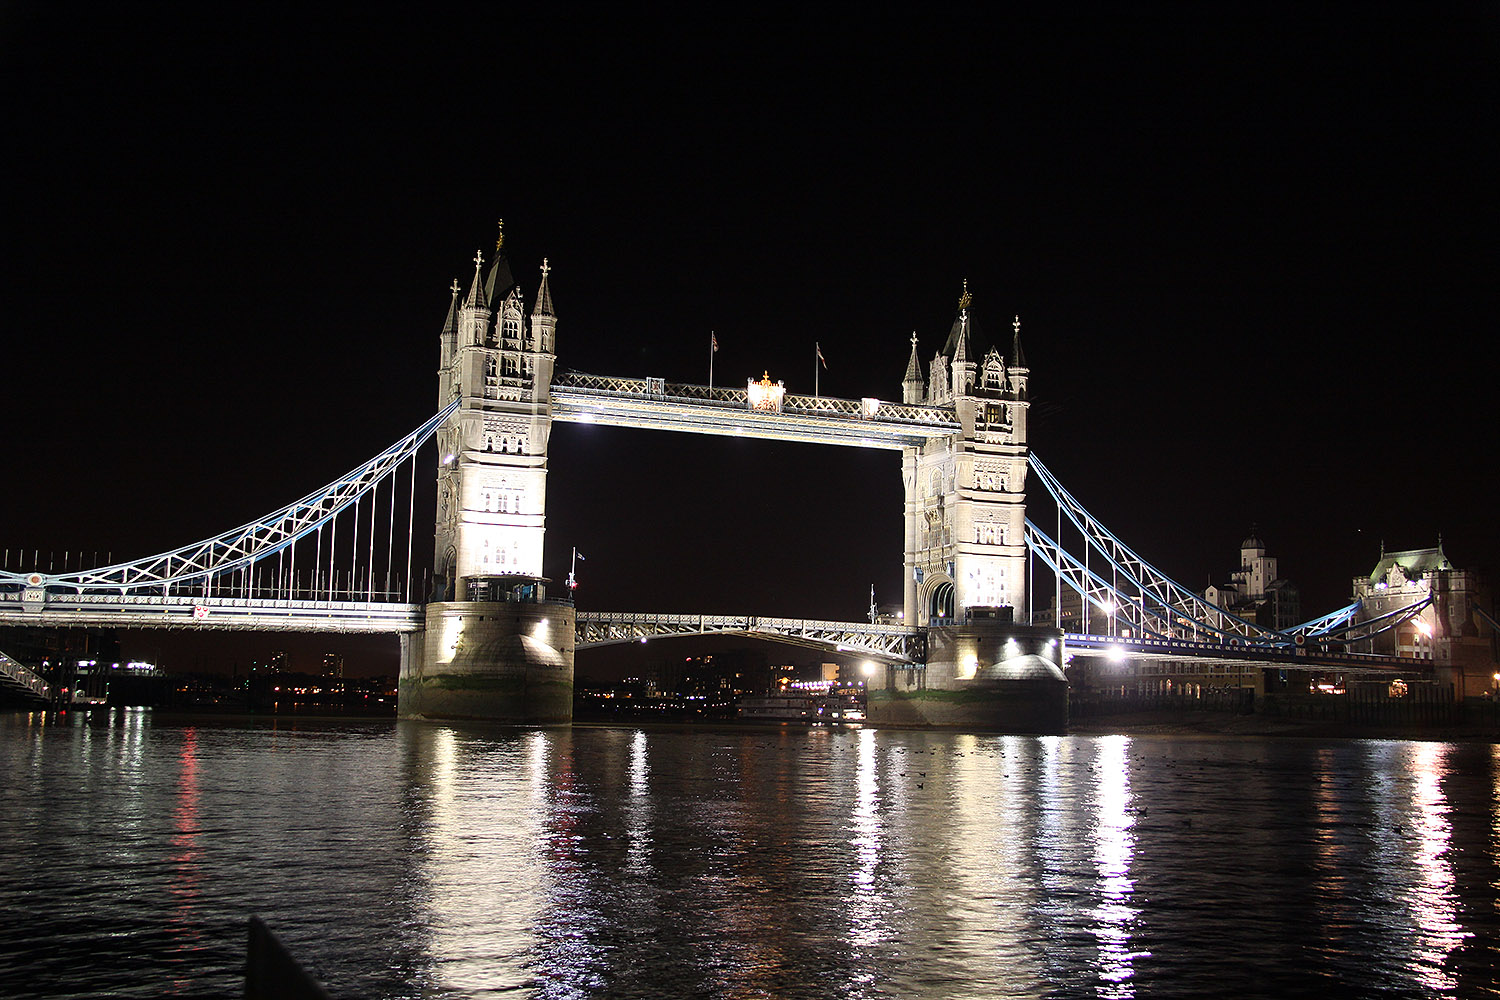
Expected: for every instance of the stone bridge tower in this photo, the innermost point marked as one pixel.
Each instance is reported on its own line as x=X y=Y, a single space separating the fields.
x=987 y=667
x=966 y=494
x=494 y=647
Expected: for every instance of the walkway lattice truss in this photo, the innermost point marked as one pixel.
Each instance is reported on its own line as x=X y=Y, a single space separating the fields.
x=889 y=643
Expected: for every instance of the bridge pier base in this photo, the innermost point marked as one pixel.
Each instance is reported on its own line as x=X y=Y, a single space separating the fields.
x=980 y=675
x=499 y=661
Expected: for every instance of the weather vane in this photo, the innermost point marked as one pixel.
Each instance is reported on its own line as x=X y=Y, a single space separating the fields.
x=965 y=298
x=500 y=239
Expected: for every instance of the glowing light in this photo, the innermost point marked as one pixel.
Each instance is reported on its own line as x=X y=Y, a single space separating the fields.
x=1115 y=653
x=869 y=668
x=1423 y=627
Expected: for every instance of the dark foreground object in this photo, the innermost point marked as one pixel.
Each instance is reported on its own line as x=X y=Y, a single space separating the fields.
x=271 y=973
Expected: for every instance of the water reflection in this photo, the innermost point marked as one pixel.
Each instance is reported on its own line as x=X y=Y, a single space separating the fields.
x=436 y=861
x=1113 y=846
x=1430 y=895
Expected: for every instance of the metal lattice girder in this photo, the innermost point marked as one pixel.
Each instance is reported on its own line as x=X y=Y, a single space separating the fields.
x=891 y=643
x=1326 y=624
x=1371 y=627
x=236 y=549
x=659 y=405
x=1130 y=610
x=1185 y=608
x=20 y=680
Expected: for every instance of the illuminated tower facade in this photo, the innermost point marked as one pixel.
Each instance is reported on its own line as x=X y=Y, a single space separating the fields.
x=966 y=494
x=492 y=473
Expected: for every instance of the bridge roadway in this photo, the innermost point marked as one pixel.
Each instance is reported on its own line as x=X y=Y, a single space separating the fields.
x=656 y=404
x=885 y=643
x=216 y=613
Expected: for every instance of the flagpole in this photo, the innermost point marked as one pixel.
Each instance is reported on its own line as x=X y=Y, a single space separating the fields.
x=817 y=353
x=711 y=350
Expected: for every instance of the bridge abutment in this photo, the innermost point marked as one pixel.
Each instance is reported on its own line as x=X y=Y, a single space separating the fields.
x=982 y=674
x=501 y=661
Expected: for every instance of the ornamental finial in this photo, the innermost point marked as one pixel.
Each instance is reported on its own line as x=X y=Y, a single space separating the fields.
x=500 y=238
x=454 y=287
x=965 y=298
x=913 y=338
x=478 y=258
x=1017 y=326
x=546 y=269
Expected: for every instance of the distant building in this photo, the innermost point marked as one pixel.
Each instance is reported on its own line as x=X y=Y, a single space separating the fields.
x=1256 y=593
x=1456 y=634
x=333 y=665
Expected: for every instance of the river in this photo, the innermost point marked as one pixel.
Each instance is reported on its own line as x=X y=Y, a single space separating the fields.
x=401 y=859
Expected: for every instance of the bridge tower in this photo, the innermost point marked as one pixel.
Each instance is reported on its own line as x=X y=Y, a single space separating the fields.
x=966 y=493
x=965 y=580
x=494 y=646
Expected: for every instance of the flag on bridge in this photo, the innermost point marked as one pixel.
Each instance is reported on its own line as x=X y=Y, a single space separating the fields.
x=819 y=349
x=714 y=340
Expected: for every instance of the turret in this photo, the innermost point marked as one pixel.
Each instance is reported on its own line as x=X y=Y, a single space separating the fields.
x=1018 y=369
x=543 y=336
x=913 y=389
x=474 y=316
x=447 y=345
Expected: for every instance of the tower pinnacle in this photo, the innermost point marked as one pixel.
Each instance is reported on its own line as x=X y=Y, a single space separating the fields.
x=544 y=294
x=474 y=300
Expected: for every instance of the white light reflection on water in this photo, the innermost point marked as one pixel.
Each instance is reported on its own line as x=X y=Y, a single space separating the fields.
x=866 y=929
x=1114 y=844
x=484 y=884
x=1430 y=896
x=638 y=812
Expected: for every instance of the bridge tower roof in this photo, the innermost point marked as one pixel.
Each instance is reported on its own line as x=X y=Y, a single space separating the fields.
x=498 y=283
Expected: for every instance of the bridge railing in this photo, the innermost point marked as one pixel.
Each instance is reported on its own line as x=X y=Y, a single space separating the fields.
x=732 y=398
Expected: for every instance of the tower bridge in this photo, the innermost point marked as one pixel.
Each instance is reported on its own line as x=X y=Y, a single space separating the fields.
x=486 y=641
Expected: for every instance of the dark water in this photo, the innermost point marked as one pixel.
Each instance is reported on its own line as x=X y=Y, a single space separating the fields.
x=412 y=860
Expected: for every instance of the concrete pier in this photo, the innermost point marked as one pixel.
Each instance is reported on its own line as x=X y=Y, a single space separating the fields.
x=501 y=661
x=981 y=675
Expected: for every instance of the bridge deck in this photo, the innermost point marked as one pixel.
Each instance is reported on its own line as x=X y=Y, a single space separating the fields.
x=701 y=409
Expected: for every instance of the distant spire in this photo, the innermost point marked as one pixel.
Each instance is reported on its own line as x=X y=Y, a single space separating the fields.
x=544 y=294
x=1018 y=360
x=474 y=301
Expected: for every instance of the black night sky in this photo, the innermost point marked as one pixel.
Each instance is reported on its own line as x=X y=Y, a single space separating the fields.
x=1253 y=256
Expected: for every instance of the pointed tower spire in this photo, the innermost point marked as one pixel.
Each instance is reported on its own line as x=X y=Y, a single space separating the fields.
x=1017 y=359
x=544 y=294
x=474 y=301
x=912 y=386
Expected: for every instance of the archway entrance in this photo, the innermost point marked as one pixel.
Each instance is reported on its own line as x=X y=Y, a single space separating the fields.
x=941 y=602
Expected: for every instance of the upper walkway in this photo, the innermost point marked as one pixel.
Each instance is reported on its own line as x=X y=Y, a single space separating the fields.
x=656 y=404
